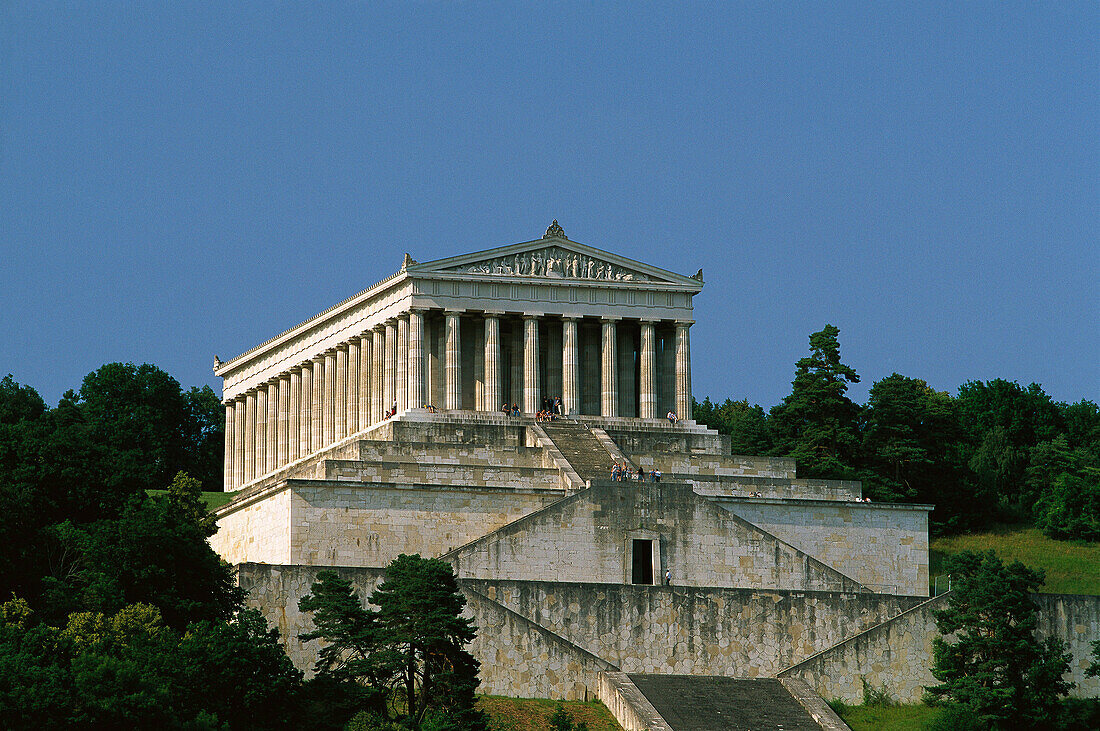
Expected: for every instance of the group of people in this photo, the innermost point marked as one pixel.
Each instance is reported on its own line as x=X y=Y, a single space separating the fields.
x=622 y=473
x=550 y=410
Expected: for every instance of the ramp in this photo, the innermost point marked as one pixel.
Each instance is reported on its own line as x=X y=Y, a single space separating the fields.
x=709 y=703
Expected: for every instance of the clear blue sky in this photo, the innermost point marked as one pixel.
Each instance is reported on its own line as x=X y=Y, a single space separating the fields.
x=179 y=180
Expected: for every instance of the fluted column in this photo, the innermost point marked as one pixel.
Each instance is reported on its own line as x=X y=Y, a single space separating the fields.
x=401 y=382
x=492 y=363
x=378 y=375
x=305 y=414
x=340 y=394
x=530 y=365
x=416 y=359
x=647 y=353
x=272 y=425
x=249 y=436
x=239 y=443
x=683 y=371
x=453 y=362
x=294 y=423
x=283 y=421
x=570 y=395
x=366 y=360
x=389 y=385
x=316 y=406
x=260 y=463
x=516 y=397
x=609 y=390
x=230 y=449
x=328 y=400
x=353 y=387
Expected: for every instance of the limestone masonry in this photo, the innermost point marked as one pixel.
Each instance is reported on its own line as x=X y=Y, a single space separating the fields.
x=375 y=428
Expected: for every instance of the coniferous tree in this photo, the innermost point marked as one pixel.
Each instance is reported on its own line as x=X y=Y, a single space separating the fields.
x=995 y=671
x=817 y=423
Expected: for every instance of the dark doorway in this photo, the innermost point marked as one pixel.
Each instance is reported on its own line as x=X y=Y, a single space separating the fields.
x=642 y=566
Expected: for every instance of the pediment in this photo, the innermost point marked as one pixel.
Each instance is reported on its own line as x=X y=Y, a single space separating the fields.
x=552 y=258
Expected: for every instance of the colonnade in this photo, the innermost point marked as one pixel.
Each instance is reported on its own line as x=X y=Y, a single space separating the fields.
x=455 y=360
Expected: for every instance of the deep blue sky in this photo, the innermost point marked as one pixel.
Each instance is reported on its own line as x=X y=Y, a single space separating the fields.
x=182 y=180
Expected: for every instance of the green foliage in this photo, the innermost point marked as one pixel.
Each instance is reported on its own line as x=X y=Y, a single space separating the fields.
x=562 y=721
x=746 y=425
x=994 y=669
x=409 y=651
x=818 y=424
x=873 y=696
x=128 y=670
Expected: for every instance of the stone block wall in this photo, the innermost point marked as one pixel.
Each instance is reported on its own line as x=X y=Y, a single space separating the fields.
x=517 y=657
x=256 y=530
x=883 y=546
x=691 y=631
x=428 y=473
x=659 y=438
x=350 y=524
x=770 y=487
x=588 y=538
x=713 y=465
x=897 y=655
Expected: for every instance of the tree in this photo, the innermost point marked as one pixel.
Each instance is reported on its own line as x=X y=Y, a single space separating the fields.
x=995 y=670
x=817 y=423
x=747 y=426
x=410 y=650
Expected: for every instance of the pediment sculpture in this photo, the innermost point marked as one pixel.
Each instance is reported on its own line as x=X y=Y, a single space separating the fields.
x=553 y=262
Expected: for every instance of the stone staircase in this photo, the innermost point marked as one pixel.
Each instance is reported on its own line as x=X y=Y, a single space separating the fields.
x=580 y=447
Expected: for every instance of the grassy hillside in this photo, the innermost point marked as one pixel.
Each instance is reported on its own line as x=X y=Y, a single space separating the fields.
x=212 y=499
x=1071 y=567
x=533 y=714
x=892 y=718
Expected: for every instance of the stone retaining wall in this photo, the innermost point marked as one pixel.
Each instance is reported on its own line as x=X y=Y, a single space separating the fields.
x=897 y=655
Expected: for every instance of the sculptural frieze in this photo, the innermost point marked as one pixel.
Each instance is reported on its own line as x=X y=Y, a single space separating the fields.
x=553 y=262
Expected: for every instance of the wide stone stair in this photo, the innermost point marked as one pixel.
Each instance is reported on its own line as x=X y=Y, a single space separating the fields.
x=580 y=447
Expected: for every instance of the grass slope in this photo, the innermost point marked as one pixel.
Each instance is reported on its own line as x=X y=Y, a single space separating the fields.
x=212 y=499
x=892 y=718
x=1071 y=567
x=533 y=714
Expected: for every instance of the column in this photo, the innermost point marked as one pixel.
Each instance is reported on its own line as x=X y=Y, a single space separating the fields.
x=305 y=415
x=366 y=359
x=328 y=398
x=259 y=463
x=416 y=359
x=353 y=387
x=647 y=355
x=530 y=364
x=389 y=384
x=230 y=449
x=401 y=384
x=294 y=425
x=283 y=423
x=683 y=371
x=272 y=424
x=666 y=375
x=625 y=354
x=570 y=395
x=316 y=431
x=453 y=362
x=249 y=437
x=476 y=333
x=609 y=391
x=340 y=394
x=377 y=373
x=239 y=443
x=492 y=363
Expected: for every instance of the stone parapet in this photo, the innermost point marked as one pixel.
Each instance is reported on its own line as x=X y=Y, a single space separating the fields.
x=769 y=487
x=459 y=475
x=715 y=465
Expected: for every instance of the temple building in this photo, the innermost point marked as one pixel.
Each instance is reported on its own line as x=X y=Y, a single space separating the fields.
x=376 y=428
x=542 y=319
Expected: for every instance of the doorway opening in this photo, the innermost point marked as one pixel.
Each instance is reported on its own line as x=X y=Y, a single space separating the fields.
x=641 y=561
